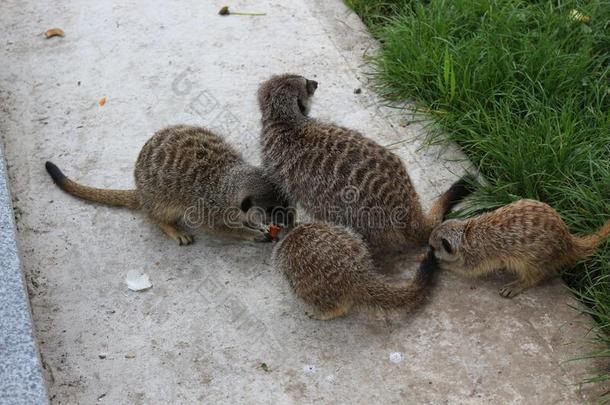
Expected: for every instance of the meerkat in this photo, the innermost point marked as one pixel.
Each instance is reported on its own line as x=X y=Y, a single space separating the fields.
x=340 y=176
x=526 y=237
x=189 y=174
x=330 y=268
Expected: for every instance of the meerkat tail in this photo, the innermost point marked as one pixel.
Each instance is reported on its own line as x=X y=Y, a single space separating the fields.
x=124 y=198
x=450 y=198
x=386 y=294
x=587 y=244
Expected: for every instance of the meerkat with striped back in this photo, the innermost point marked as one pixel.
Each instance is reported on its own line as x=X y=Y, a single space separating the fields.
x=331 y=269
x=189 y=174
x=340 y=176
x=527 y=237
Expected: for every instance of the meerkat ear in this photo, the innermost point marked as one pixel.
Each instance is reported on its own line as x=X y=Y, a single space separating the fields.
x=311 y=86
x=447 y=245
x=246 y=204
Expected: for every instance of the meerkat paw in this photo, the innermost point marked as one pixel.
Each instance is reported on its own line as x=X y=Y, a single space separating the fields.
x=258 y=235
x=510 y=290
x=263 y=237
x=182 y=238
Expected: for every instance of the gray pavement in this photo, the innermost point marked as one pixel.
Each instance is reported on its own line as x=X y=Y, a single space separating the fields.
x=21 y=376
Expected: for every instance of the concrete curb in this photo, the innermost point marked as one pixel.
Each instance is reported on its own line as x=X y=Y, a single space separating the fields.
x=21 y=375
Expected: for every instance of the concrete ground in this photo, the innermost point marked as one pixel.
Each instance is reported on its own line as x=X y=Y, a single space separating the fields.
x=219 y=325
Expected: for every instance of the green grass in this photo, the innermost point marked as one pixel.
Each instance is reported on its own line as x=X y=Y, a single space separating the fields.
x=523 y=88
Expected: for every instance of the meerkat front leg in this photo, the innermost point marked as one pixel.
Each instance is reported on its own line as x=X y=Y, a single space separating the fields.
x=513 y=289
x=528 y=278
x=181 y=237
x=243 y=233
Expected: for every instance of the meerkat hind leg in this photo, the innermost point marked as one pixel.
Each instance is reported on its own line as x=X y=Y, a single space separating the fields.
x=181 y=237
x=328 y=314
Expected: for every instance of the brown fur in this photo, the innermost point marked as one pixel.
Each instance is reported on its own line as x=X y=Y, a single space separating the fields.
x=190 y=171
x=340 y=176
x=526 y=237
x=330 y=268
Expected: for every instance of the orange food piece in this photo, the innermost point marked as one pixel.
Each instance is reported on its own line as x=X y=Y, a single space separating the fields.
x=274 y=231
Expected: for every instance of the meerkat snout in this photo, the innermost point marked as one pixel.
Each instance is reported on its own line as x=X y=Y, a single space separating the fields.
x=305 y=102
x=445 y=240
x=311 y=86
x=260 y=202
x=288 y=96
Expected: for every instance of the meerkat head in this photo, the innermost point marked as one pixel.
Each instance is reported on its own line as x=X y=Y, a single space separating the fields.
x=286 y=97
x=446 y=240
x=260 y=201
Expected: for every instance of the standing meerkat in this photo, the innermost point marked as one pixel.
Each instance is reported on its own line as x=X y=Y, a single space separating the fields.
x=191 y=174
x=526 y=237
x=330 y=268
x=340 y=176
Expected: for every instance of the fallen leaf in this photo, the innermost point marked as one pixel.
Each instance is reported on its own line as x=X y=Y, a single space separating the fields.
x=54 y=32
x=102 y=101
x=578 y=16
x=225 y=11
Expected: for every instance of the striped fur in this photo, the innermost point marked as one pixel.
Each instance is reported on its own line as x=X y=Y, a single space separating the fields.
x=340 y=176
x=189 y=173
x=526 y=237
x=330 y=268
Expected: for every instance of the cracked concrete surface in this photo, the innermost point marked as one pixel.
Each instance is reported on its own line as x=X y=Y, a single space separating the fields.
x=217 y=311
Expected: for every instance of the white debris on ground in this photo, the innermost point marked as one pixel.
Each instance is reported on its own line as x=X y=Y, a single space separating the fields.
x=138 y=281
x=396 y=357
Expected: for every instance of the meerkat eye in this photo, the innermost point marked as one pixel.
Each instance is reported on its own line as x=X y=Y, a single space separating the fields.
x=447 y=245
x=311 y=86
x=246 y=204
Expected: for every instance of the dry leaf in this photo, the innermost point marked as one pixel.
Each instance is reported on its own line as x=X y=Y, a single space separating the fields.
x=225 y=11
x=54 y=32
x=578 y=16
x=102 y=101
